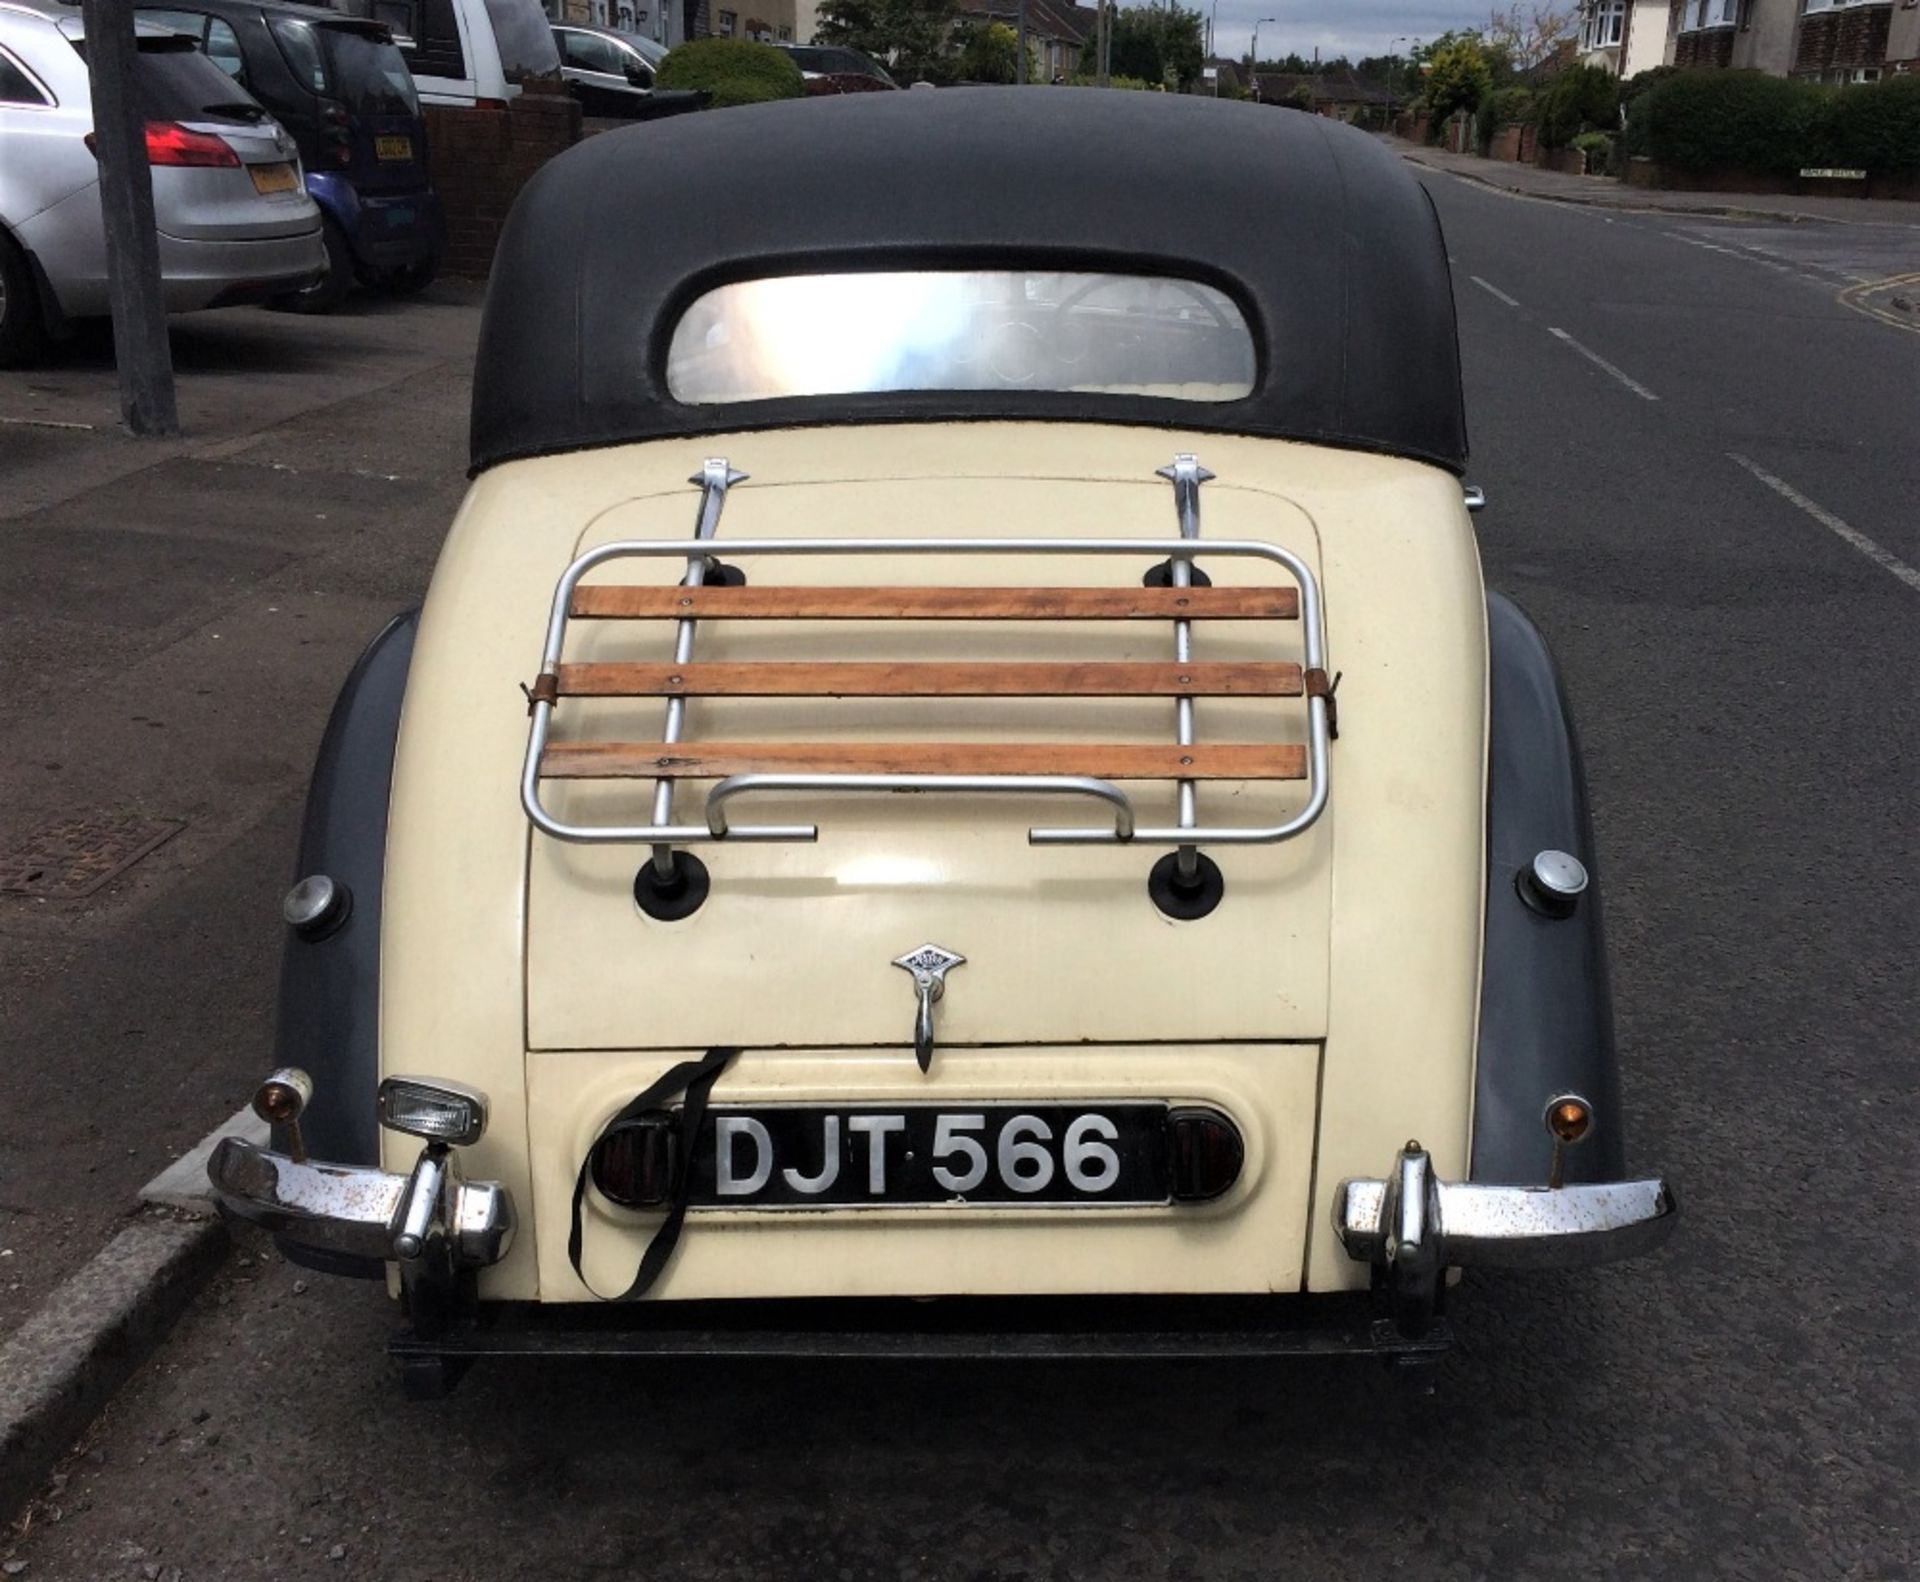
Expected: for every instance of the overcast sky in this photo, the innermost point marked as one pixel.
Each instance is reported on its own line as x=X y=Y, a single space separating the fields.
x=1354 y=28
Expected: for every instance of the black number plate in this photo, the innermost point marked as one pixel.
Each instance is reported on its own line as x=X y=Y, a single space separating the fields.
x=1002 y=1155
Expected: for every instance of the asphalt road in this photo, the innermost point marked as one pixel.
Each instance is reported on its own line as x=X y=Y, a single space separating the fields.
x=1692 y=456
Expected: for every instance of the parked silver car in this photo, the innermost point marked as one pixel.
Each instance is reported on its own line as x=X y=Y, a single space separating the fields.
x=235 y=221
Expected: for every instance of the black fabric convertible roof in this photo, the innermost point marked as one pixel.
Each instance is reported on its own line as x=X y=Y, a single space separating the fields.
x=1327 y=242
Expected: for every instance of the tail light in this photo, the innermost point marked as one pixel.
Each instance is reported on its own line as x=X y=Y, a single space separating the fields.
x=1206 y=1154
x=338 y=133
x=169 y=143
x=633 y=1164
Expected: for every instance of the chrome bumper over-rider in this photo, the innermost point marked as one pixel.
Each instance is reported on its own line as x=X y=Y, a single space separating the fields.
x=1412 y=1227
x=432 y=1222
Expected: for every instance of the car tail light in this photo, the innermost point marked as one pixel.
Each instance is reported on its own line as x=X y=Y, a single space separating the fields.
x=169 y=143
x=633 y=1164
x=339 y=134
x=1206 y=1154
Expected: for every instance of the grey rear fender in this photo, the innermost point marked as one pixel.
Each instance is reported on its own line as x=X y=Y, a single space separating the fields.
x=1546 y=1006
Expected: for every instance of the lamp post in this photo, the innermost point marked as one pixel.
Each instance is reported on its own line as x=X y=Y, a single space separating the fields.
x=1393 y=57
x=1213 y=17
x=1255 y=69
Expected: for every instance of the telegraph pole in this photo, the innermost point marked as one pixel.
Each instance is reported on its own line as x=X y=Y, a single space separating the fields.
x=1020 y=65
x=141 y=354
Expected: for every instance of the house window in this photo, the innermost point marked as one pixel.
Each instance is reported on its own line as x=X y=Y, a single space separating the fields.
x=1696 y=15
x=1606 y=20
x=728 y=22
x=786 y=35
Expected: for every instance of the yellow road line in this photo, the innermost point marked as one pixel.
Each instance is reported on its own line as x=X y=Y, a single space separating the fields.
x=1855 y=297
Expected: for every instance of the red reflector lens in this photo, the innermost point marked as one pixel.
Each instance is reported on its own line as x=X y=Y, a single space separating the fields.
x=169 y=143
x=1206 y=1154
x=633 y=1166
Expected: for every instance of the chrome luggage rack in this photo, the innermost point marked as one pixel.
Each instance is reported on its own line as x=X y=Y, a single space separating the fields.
x=1065 y=769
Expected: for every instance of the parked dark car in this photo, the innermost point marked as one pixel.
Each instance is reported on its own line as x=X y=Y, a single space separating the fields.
x=611 y=74
x=342 y=88
x=831 y=68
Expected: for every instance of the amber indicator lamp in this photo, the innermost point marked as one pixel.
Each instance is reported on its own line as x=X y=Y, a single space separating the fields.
x=1569 y=1119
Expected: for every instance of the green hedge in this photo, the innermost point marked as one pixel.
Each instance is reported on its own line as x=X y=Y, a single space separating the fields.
x=1743 y=120
x=733 y=70
x=1500 y=110
x=1579 y=99
x=1876 y=126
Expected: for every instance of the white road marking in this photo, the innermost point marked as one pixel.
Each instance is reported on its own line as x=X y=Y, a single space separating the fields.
x=1885 y=559
x=1489 y=287
x=44 y=422
x=1753 y=257
x=1600 y=362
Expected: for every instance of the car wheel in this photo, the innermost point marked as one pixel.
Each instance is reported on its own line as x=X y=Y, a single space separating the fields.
x=410 y=279
x=330 y=290
x=23 y=333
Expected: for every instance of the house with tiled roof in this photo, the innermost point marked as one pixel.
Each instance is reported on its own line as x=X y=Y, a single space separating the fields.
x=1057 y=31
x=1337 y=94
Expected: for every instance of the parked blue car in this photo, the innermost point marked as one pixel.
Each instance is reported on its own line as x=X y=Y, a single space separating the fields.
x=341 y=87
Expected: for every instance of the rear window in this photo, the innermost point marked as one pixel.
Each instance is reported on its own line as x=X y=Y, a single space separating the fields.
x=368 y=73
x=365 y=72
x=963 y=329
x=178 y=83
x=525 y=37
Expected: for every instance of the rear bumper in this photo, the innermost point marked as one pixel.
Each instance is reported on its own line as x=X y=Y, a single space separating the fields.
x=384 y=230
x=1414 y=1218
x=211 y=274
x=349 y=1213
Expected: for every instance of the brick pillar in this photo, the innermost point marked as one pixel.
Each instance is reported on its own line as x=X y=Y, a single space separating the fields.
x=479 y=161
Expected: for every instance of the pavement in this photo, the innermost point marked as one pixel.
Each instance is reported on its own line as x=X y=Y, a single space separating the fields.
x=175 y=618
x=1605 y=192
x=1697 y=444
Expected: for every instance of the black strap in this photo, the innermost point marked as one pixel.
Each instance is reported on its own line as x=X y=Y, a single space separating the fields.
x=696 y=1078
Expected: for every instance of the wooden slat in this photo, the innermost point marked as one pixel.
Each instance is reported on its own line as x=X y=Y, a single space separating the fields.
x=605 y=602
x=1117 y=761
x=989 y=679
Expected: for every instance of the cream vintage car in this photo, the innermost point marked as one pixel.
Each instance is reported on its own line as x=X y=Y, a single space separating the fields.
x=857 y=851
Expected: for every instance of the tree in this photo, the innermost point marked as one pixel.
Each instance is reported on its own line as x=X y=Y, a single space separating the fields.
x=992 y=53
x=1458 y=76
x=1163 y=47
x=910 y=36
x=1529 y=34
x=1581 y=97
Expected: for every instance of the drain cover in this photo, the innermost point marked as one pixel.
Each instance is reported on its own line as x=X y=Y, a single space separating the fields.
x=72 y=857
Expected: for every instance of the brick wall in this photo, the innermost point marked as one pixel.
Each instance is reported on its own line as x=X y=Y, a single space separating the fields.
x=1568 y=161
x=1697 y=51
x=1843 y=39
x=480 y=159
